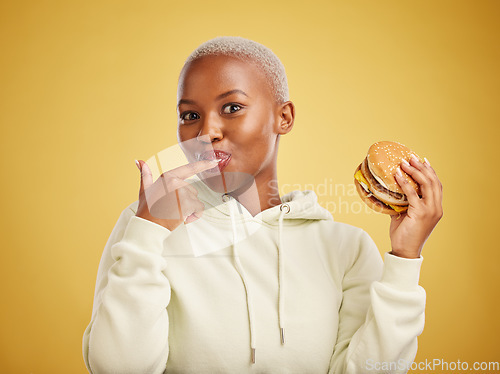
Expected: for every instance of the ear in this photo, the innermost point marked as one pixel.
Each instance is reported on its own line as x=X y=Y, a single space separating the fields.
x=286 y=113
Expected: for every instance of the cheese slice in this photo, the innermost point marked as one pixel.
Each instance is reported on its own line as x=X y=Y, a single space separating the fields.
x=398 y=208
x=364 y=183
x=362 y=180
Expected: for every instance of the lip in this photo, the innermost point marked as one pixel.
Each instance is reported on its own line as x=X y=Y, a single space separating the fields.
x=217 y=154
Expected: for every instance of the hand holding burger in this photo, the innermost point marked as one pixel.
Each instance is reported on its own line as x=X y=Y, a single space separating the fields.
x=393 y=180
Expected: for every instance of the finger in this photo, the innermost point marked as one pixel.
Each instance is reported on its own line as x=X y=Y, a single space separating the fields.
x=187 y=192
x=415 y=171
x=433 y=175
x=188 y=204
x=169 y=206
x=190 y=188
x=175 y=183
x=425 y=168
x=409 y=191
x=188 y=170
x=435 y=203
x=166 y=198
x=197 y=214
x=191 y=218
x=146 y=177
x=438 y=188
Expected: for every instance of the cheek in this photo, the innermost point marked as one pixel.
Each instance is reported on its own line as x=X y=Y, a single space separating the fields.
x=256 y=140
x=188 y=143
x=259 y=128
x=184 y=133
x=266 y=131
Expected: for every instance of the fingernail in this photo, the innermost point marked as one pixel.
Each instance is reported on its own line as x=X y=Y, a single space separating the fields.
x=398 y=170
x=427 y=162
x=138 y=166
x=415 y=158
x=406 y=162
x=213 y=162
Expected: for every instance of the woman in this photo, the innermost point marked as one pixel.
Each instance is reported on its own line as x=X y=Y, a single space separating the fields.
x=282 y=288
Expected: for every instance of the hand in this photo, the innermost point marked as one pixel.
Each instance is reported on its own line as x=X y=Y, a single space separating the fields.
x=170 y=201
x=410 y=230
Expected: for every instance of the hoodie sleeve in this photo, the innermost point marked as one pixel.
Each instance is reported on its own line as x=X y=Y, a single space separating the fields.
x=128 y=332
x=382 y=313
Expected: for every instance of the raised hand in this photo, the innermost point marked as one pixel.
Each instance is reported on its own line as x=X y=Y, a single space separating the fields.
x=410 y=230
x=170 y=200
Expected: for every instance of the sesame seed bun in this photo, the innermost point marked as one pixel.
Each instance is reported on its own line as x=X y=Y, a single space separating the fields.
x=375 y=178
x=383 y=160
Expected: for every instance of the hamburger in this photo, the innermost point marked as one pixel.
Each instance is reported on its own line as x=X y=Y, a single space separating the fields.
x=375 y=178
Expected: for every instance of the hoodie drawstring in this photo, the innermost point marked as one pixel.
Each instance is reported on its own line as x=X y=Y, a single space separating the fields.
x=284 y=208
x=241 y=272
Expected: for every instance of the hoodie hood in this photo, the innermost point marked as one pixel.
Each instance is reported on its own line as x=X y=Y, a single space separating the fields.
x=302 y=205
x=224 y=215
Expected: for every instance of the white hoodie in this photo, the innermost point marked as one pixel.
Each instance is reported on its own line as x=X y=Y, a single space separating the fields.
x=290 y=289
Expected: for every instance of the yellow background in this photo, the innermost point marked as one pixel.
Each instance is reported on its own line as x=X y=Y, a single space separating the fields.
x=89 y=86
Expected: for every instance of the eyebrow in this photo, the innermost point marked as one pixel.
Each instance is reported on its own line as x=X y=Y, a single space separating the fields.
x=221 y=96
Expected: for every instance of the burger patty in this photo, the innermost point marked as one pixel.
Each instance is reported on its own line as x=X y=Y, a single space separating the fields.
x=375 y=185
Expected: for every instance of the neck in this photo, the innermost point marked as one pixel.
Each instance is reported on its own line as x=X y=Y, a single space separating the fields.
x=265 y=187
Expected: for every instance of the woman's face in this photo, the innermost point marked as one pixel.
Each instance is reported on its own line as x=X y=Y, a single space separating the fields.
x=228 y=106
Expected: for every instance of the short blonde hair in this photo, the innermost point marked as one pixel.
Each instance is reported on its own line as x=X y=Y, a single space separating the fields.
x=242 y=48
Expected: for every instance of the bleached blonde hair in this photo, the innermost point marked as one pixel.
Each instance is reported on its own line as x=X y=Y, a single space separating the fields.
x=247 y=49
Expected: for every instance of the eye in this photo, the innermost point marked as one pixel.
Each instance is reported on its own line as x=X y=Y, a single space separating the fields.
x=231 y=108
x=190 y=116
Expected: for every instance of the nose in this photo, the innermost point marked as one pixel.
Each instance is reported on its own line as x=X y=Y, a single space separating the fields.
x=211 y=129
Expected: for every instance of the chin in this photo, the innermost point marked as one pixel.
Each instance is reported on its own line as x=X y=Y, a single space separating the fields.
x=227 y=181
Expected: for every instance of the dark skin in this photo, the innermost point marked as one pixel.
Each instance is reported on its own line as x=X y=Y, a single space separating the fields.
x=228 y=104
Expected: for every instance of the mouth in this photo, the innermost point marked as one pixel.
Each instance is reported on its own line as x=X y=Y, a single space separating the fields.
x=222 y=158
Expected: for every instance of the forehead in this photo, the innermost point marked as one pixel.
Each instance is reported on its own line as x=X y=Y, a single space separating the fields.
x=218 y=74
